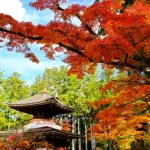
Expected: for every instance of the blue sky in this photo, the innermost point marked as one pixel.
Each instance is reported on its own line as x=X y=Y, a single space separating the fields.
x=15 y=62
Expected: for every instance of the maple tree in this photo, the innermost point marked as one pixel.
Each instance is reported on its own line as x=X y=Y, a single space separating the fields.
x=15 y=140
x=115 y=33
x=126 y=43
x=18 y=140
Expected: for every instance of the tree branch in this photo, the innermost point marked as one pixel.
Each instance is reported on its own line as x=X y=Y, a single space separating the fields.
x=130 y=102
x=36 y=38
x=20 y=34
x=74 y=50
x=90 y=30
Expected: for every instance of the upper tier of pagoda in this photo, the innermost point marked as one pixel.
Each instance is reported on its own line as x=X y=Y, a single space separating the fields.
x=41 y=106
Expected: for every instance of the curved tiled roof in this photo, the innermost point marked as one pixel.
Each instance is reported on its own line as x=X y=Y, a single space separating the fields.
x=58 y=138
x=54 y=133
x=41 y=105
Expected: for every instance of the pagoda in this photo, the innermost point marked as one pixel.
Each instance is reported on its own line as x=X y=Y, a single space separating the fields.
x=43 y=107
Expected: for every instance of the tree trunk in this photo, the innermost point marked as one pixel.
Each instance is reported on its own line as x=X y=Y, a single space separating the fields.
x=93 y=142
x=86 y=147
x=73 y=131
x=79 y=132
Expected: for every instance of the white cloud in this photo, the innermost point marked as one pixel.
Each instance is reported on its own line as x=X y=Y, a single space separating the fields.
x=31 y=17
x=24 y=65
x=13 y=8
x=39 y=17
x=26 y=68
x=15 y=62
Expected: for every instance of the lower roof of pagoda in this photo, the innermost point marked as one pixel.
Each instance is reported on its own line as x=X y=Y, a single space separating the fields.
x=44 y=133
x=51 y=133
x=41 y=106
x=58 y=138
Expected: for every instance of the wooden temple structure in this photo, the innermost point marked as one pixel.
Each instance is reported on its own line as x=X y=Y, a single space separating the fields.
x=43 y=106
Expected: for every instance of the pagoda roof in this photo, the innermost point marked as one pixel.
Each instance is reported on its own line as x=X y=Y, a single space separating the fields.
x=41 y=105
x=58 y=138
x=53 y=133
x=45 y=131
